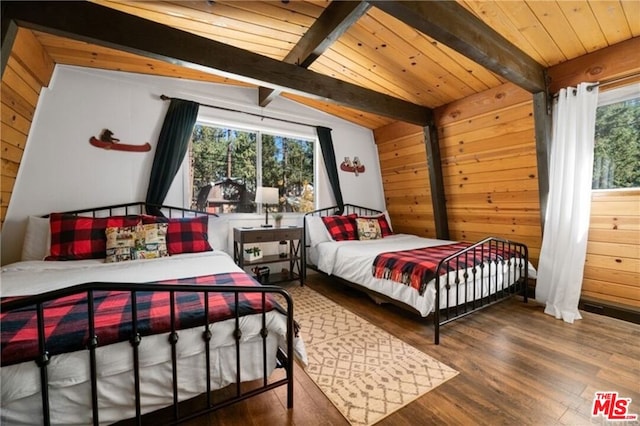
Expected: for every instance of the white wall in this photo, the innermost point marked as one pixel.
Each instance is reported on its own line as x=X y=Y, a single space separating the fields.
x=61 y=171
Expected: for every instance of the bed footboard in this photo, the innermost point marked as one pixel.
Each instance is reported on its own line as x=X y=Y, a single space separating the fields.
x=478 y=276
x=138 y=294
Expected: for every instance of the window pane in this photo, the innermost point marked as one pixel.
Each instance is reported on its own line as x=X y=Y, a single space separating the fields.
x=224 y=169
x=616 y=160
x=287 y=164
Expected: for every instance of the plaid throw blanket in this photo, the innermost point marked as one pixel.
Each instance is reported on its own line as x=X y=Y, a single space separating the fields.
x=66 y=323
x=415 y=267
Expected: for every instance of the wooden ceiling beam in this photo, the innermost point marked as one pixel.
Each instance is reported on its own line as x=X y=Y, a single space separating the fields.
x=456 y=27
x=334 y=21
x=111 y=28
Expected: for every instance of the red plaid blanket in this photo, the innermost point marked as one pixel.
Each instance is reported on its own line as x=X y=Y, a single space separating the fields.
x=415 y=267
x=66 y=323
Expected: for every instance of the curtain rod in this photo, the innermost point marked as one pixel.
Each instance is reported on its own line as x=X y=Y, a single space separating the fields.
x=614 y=80
x=605 y=83
x=167 y=98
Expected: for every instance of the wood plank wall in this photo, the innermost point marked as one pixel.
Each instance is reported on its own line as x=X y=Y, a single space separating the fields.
x=612 y=267
x=488 y=150
x=28 y=69
x=405 y=177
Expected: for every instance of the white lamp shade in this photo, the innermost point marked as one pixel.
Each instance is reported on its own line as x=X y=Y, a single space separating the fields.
x=267 y=195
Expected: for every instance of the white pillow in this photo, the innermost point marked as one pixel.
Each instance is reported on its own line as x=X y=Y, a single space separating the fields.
x=316 y=231
x=37 y=239
x=218 y=233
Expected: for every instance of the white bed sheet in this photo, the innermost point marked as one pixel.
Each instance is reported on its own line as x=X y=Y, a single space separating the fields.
x=69 y=382
x=352 y=261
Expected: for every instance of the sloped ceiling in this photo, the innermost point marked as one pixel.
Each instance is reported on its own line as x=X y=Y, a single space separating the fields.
x=370 y=63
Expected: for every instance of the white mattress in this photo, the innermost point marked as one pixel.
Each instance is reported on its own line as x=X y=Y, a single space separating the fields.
x=352 y=261
x=69 y=386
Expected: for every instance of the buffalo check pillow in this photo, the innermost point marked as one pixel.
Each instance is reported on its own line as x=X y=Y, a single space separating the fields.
x=341 y=227
x=185 y=235
x=79 y=237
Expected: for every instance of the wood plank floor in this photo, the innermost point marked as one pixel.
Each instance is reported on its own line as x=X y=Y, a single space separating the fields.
x=518 y=366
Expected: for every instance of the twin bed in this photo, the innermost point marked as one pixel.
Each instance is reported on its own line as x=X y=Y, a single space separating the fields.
x=86 y=341
x=416 y=273
x=114 y=324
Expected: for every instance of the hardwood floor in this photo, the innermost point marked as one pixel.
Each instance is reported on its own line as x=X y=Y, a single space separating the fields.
x=518 y=366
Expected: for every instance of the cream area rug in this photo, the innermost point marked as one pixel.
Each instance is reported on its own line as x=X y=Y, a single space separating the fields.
x=365 y=372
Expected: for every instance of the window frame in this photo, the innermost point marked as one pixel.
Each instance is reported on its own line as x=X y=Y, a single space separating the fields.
x=258 y=131
x=621 y=93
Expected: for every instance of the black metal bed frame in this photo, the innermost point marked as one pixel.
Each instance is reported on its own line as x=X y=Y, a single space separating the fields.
x=284 y=359
x=136 y=208
x=491 y=247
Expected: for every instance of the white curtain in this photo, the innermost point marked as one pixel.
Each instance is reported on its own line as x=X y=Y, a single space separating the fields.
x=564 y=245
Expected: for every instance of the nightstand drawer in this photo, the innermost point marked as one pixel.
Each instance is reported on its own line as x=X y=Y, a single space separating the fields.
x=289 y=234
x=258 y=236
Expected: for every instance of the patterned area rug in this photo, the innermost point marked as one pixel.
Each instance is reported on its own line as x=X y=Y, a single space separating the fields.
x=365 y=372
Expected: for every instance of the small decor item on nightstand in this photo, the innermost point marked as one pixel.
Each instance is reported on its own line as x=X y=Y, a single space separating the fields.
x=252 y=253
x=262 y=274
x=277 y=218
x=283 y=249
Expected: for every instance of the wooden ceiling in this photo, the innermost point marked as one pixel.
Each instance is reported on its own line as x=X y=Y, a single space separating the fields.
x=367 y=47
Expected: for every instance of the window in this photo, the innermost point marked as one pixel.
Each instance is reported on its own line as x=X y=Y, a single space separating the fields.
x=227 y=166
x=616 y=160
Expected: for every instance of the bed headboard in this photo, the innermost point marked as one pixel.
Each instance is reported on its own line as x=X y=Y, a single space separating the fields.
x=137 y=208
x=348 y=209
x=333 y=210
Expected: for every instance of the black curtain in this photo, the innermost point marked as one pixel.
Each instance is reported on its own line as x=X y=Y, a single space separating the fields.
x=329 y=155
x=170 y=151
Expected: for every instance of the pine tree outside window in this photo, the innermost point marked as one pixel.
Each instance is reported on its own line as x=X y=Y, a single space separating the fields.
x=616 y=161
x=227 y=165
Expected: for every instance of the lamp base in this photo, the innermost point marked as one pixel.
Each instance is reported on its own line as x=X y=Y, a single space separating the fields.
x=266 y=226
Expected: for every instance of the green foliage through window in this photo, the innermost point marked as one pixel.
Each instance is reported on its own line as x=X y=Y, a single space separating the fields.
x=226 y=170
x=616 y=160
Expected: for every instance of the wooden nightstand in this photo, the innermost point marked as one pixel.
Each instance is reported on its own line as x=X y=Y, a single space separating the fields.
x=295 y=255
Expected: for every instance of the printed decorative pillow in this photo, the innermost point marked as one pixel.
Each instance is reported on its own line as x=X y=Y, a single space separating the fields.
x=385 y=228
x=185 y=235
x=341 y=227
x=79 y=237
x=368 y=229
x=146 y=241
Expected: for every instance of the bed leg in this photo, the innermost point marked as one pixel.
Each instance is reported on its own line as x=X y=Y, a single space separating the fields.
x=290 y=393
x=436 y=315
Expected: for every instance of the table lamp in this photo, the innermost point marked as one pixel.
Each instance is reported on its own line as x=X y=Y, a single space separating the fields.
x=266 y=196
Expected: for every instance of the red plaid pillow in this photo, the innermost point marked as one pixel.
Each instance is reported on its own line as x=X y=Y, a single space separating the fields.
x=79 y=237
x=341 y=227
x=385 y=228
x=184 y=235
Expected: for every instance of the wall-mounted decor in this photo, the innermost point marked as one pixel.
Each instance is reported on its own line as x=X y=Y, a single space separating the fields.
x=107 y=141
x=352 y=166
